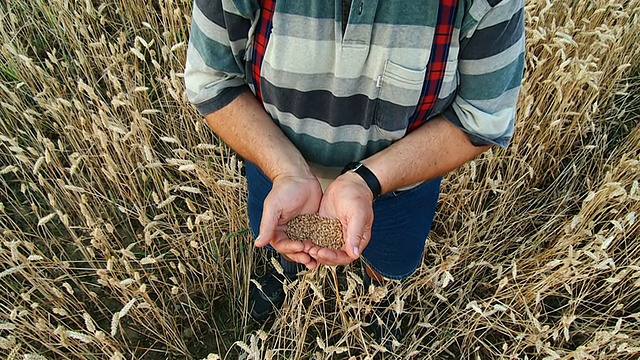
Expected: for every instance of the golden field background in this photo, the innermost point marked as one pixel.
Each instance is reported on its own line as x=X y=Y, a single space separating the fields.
x=123 y=233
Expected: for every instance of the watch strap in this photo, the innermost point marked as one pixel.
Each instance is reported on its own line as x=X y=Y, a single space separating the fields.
x=367 y=175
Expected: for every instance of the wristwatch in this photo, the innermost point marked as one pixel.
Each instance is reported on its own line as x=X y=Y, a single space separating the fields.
x=367 y=175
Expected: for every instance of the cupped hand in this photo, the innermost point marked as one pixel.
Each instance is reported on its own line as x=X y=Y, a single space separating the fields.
x=290 y=196
x=348 y=199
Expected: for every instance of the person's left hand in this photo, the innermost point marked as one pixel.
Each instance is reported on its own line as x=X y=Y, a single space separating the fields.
x=348 y=199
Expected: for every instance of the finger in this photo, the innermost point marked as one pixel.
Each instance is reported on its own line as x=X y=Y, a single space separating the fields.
x=313 y=250
x=285 y=246
x=308 y=245
x=333 y=257
x=300 y=257
x=312 y=264
x=303 y=258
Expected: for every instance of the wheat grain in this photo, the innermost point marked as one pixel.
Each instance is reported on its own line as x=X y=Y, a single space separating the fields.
x=321 y=231
x=9 y=168
x=10 y=271
x=166 y=201
x=79 y=336
x=125 y=309
x=34 y=357
x=229 y=184
x=44 y=220
x=148 y=260
x=187 y=167
x=89 y=323
x=189 y=189
x=115 y=323
x=60 y=311
x=7 y=326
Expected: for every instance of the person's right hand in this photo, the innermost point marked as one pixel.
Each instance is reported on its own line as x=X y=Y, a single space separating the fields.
x=290 y=196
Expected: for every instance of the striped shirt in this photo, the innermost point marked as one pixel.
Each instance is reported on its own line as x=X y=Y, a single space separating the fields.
x=341 y=96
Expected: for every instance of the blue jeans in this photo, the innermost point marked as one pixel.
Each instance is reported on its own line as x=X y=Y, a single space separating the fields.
x=401 y=224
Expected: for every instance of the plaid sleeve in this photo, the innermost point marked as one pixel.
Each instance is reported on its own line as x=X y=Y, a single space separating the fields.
x=215 y=67
x=490 y=66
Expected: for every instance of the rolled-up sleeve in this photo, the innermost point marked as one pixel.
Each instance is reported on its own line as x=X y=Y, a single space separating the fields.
x=490 y=69
x=215 y=67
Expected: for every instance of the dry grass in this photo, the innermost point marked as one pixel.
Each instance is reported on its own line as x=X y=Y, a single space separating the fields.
x=123 y=229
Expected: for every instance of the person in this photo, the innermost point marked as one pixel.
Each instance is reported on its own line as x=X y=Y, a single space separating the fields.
x=353 y=109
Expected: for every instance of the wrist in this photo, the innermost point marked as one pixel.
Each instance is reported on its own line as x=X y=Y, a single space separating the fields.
x=366 y=176
x=293 y=168
x=356 y=179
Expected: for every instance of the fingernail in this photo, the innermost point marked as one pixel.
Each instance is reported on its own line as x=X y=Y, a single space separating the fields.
x=356 y=251
x=256 y=241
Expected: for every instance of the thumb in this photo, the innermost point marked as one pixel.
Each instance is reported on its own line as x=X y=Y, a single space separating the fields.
x=354 y=237
x=268 y=225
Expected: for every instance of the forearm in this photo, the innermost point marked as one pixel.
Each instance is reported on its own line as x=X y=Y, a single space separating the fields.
x=432 y=150
x=244 y=125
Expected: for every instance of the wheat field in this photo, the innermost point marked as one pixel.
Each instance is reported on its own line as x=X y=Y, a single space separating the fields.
x=123 y=231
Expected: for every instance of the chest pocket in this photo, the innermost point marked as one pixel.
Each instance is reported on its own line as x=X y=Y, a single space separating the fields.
x=399 y=92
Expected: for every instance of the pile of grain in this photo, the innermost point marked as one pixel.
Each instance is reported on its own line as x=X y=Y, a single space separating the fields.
x=321 y=231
